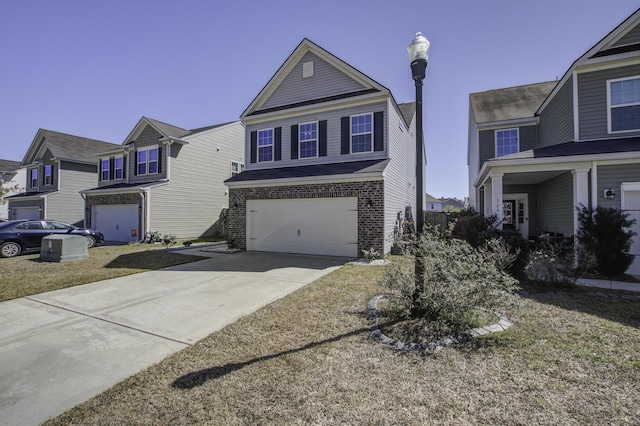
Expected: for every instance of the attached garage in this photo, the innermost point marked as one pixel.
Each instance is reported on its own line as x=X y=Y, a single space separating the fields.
x=29 y=213
x=321 y=226
x=631 y=205
x=115 y=221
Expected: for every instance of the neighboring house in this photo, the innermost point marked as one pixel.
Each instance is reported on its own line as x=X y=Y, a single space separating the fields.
x=58 y=166
x=538 y=151
x=433 y=204
x=167 y=179
x=12 y=179
x=452 y=204
x=330 y=161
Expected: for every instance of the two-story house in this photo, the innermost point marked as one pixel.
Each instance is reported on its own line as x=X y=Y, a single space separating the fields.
x=58 y=166
x=537 y=152
x=330 y=161
x=167 y=179
x=12 y=178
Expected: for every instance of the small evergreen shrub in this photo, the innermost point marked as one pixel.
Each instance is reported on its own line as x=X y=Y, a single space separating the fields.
x=371 y=254
x=459 y=283
x=168 y=240
x=605 y=233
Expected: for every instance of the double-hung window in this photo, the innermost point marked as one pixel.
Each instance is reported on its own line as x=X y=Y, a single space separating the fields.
x=48 y=175
x=624 y=104
x=104 y=169
x=34 y=178
x=362 y=133
x=148 y=161
x=265 y=145
x=308 y=139
x=118 y=169
x=236 y=168
x=506 y=142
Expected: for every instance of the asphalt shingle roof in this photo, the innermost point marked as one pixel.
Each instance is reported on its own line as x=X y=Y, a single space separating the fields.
x=407 y=110
x=9 y=166
x=75 y=148
x=605 y=146
x=511 y=103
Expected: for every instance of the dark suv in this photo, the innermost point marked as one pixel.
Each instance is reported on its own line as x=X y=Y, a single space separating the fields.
x=17 y=236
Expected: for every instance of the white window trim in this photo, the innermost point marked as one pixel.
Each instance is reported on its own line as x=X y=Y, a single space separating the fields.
x=609 y=106
x=272 y=145
x=495 y=140
x=50 y=176
x=317 y=140
x=351 y=135
x=147 y=161
x=32 y=179
x=239 y=168
x=102 y=170
x=115 y=168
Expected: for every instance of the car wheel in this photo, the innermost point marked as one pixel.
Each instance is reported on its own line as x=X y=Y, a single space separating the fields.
x=91 y=241
x=10 y=249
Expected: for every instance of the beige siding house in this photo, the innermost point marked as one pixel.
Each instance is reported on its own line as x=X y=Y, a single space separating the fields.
x=330 y=161
x=12 y=179
x=167 y=179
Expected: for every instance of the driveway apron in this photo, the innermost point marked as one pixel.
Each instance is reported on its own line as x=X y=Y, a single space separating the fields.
x=61 y=348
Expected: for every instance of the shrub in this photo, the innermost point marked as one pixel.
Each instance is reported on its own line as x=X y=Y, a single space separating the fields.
x=518 y=246
x=604 y=232
x=371 y=254
x=168 y=240
x=475 y=229
x=459 y=282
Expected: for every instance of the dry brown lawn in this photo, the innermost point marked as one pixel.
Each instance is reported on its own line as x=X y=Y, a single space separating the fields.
x=26 y=275
x=569 y=359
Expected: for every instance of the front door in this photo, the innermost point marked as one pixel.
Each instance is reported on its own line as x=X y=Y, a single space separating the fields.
x=515 y=213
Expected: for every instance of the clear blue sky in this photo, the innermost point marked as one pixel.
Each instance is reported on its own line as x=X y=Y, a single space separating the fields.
x=93 y=68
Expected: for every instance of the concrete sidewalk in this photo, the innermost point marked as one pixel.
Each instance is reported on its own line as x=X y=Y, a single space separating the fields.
x=609 y=284
x=61 y=348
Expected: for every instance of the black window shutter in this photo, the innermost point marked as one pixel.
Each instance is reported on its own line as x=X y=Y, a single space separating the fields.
x=277 y=144
x=135 y=162
x=378 y=131
x=124 y=167
x=111 y=168
x=43 y=175
x=254 y=147
x=322 y=138
x=294 y=142
x=345 y=135
x=53 y=174
x=159 y=159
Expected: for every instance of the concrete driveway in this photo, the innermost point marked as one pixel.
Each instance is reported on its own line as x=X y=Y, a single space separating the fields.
x=60 y=348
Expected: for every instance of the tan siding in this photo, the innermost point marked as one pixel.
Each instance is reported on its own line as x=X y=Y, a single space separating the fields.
x=67 y=205
x=400 y=175
x=327 y=80
x=193 y=200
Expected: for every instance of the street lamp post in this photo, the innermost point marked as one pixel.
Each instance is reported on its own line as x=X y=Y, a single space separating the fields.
x=419 y=55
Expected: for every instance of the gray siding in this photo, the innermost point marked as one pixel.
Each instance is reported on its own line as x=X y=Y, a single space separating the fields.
x=333 y=137
x=67 y=205
x=532 y=191
x=555 y=205
x=527 y=140
x=148 y=137
x=592 y=101
x=191 y=204
x=400 y=177
x=632 y=37
x=612 y=177
x=326 y=81
x=556 y=120
x=45 y=160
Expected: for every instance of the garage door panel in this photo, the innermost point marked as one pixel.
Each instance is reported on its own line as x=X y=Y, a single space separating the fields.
x=632 y=208
x=116 y=221
x=29 y=213
x=325 y=226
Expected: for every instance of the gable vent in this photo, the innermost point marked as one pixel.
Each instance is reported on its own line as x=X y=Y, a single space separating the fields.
x=307 y=69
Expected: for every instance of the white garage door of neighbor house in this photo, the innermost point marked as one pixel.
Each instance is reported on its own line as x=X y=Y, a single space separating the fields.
x=324 y=226
x=29 y=213
x=115 y=221
x=631 y=205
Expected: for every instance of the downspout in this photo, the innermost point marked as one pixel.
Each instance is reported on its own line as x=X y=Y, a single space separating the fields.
x=168 y=159
x=142 y=215
x=86 y=209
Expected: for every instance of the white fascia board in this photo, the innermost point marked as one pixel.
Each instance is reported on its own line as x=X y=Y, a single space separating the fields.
x=130 y=190
x=507 y=123
x=317 y=108
x=173 y=140
x=33 y=197
x=307 y=180
x=523 y=165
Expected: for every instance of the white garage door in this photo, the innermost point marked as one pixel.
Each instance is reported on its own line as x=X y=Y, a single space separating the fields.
x=29 y=213
x=631 y=205
x=324 y=226
x=116 y=221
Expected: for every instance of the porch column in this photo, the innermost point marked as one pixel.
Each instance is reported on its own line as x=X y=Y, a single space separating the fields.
x=486 y=202
x=580 y=194
x=496 y=198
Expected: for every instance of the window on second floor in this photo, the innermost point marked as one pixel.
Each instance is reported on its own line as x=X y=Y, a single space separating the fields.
x=48 y=175
x=362 y=133
x=118 y=168
x=104 y=169
x=308 y=138
x=265 y=145
x=624 y=104
x=148 y=161
x=506 y=142
x=236 y=168
x=34 y=178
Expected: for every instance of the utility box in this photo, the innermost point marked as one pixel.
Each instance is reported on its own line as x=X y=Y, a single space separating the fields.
x=61 y=248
